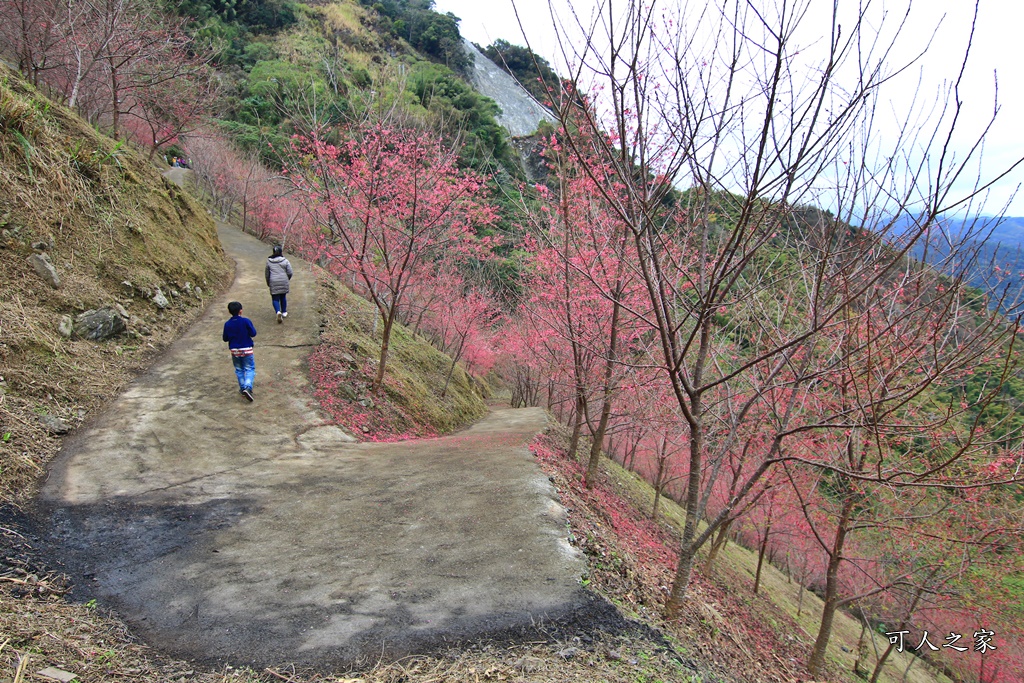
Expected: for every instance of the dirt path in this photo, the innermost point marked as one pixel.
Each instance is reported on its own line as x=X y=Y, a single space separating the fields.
x=254 y=534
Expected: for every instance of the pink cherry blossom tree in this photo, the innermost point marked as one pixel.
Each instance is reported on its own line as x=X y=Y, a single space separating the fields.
x=390 y=206
x=754 y=296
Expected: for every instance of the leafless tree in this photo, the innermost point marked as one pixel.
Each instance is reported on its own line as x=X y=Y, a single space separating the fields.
x=727 y=123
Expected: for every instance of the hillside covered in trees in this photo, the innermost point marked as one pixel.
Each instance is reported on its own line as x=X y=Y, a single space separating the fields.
x=681 y=291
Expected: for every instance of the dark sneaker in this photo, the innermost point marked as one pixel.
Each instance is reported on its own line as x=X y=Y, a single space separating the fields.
x=248 y=394
x=280 y=318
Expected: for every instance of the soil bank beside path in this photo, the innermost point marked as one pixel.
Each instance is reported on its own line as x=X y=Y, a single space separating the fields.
x=257 y=533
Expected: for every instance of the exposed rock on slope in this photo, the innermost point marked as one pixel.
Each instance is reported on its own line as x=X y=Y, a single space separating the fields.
x=520 y=113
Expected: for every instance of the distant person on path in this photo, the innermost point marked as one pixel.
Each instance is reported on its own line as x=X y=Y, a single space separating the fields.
x=278 y=273
x=238 y=333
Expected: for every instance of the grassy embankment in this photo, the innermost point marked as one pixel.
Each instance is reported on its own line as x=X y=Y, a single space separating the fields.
x=733 y=571
x=115 y=232
x=410 y=403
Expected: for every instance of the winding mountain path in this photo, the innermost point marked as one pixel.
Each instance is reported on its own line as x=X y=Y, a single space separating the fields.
x=258 y=534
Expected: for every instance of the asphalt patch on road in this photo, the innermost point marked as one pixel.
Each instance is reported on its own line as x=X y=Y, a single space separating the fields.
x=107 y=546
x=93 y=542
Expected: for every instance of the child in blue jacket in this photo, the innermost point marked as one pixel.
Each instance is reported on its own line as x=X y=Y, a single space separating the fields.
x=238 y=333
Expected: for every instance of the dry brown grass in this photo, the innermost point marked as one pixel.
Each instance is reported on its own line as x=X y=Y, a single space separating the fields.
x=346 y=17
x=80 y=639
x=106 y=217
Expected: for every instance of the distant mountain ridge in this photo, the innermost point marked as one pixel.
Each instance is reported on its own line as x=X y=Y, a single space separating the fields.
x=1009 y=231
x=999 y=264
x=1006 y=230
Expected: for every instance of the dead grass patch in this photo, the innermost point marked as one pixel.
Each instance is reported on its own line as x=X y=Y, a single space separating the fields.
x=115 y=231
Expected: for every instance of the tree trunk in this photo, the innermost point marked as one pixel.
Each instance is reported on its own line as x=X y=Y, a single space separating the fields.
x=448 y=379
x=718 y=543
x=881 y=662
x=456 y=355
x=577 y=426
x=658 y=487
x=684 y=568
x=816 y=663
x=606 y=407
x=688 y=550
x=72 y=100
x=862 y=650
x=389 y=321
x=630 y=457
x=598 y=440
x=760 y=557
x=906 y=672
x=115 y=88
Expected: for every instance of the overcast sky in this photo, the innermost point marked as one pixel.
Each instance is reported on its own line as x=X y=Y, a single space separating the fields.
x=997 y=50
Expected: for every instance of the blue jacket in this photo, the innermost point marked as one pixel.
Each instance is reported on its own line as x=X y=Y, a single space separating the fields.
x=238 y=333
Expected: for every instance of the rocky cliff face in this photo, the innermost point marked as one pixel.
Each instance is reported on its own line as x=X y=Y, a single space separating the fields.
x=530 y=159
x=520 y=111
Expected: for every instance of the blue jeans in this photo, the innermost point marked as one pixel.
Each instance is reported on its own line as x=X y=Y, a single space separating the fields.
x=280 y=302
x=245 y=370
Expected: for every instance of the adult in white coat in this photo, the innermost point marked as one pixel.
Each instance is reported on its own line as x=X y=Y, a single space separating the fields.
x=278 y=273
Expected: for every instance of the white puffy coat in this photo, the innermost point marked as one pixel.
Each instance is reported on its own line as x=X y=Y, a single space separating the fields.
x=278 y=273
